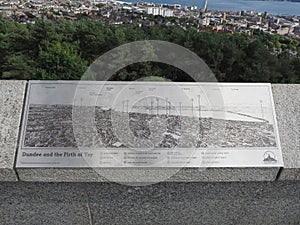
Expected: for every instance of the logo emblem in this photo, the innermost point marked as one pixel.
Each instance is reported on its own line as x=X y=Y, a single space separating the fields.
x=269 y=158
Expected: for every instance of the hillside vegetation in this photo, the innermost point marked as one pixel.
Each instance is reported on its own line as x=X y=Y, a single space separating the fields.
x=63 y=50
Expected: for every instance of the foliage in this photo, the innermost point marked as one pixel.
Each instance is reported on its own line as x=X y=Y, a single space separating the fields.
x=64 y=49
x=56 y=61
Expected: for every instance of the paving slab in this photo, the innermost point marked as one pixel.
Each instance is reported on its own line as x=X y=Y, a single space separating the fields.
x=164 y=203
x=197 y=203
x=44 y=213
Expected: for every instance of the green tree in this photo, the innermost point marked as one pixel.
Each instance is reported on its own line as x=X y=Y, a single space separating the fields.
x=92 y=39
x=58 y=61
x=17 y=66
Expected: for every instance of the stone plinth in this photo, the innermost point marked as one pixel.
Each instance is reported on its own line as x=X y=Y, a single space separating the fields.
x=287 y=105
x=142 y=175
x=11 y=99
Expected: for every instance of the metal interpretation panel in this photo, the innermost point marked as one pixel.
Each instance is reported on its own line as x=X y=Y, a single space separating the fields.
x=148 y=124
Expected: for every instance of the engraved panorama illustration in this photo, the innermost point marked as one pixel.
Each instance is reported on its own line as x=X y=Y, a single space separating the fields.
x=149 y=115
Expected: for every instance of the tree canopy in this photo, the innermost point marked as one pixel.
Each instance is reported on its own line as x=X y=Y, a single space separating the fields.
x=54 y=50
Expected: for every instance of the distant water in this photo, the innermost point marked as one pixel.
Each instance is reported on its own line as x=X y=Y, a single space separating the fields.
x=272 y=7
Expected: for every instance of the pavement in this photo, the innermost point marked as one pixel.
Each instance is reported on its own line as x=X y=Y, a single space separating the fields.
x=164 y=203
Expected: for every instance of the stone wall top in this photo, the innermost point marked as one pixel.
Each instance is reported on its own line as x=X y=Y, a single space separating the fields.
x=11 y=99
x=286 y=99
